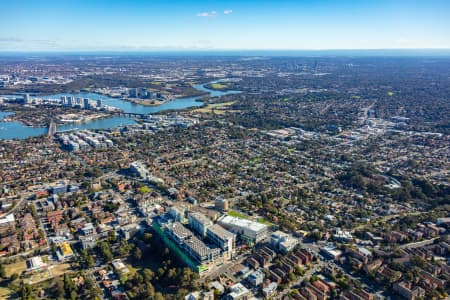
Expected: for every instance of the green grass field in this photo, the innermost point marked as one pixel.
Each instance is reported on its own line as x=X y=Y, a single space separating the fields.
x=219 y=86
x=237 y=214
x=218 y=108
x=17 y=267
x=264 y=221
x=145 y=190
x=5 y=293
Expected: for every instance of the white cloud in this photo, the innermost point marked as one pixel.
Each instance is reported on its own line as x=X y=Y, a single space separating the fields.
x=227 y=11
x=207 y=14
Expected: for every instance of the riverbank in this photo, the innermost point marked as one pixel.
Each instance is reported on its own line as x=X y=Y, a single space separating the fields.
x=40 y=116
x=43 y=115
x=167 y=99
x=76 y=119
x=148 y=102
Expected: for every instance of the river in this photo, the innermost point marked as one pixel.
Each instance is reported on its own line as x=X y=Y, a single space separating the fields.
x=17 y=130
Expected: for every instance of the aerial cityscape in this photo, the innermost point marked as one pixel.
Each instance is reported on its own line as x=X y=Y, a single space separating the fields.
x=219 y=150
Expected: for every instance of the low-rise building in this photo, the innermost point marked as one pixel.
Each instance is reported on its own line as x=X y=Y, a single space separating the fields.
x=283 y=242
x=256 y=278
x=407 y=291
x=270 y=290
x=120 y=267
x=64 y=251
x=331 y=252
x=36 y=264
x=238 y=292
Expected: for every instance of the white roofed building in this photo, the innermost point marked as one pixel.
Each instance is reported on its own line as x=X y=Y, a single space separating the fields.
x=250 y=230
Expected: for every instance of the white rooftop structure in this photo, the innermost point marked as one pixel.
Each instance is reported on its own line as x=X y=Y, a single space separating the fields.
x=119 y=266
x=8 y=219
x=283 y=242
x=35 y=263
x=253 y=230
x=238 y=291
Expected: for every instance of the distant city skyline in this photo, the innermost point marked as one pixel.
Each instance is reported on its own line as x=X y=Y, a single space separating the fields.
x=159 y=25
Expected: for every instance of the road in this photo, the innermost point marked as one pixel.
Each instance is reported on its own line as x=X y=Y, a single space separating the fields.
x=366 y=111
x=223 y=269
x=19 y=203
x=418 y=244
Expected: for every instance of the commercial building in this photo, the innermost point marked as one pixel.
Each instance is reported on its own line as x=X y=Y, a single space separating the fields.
x=222 y=204
x=177 y=213
x=71 y=100
x=60 y=188
x=99 y=103
x=282 y=242
x=86 y=103
x=27 y=98
x=133 y=93
x=199 y=223
x=202 y=295
x=270 y=290
x=248 y=230
x=200 y=251
x=137 y=168
x=143 y=93
x=194 y=247
x=88 y=242
x=331 y=252
x=178 y=232
x=222 y=238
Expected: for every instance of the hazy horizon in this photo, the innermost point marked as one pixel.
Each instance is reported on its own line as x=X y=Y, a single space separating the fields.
x=245 y=52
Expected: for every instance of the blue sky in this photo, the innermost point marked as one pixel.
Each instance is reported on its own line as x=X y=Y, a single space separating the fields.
x=133 y=25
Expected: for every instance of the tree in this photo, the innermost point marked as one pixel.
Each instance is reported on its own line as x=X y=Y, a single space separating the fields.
x=147 y=237
x=13 y=277
x=85 y=259
x=69 y=286
x=26 y=292
x=137 y=253
x=112 y=236
x=58 y=289
x=2 y=271
x=159 y=296
x=105 y=251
